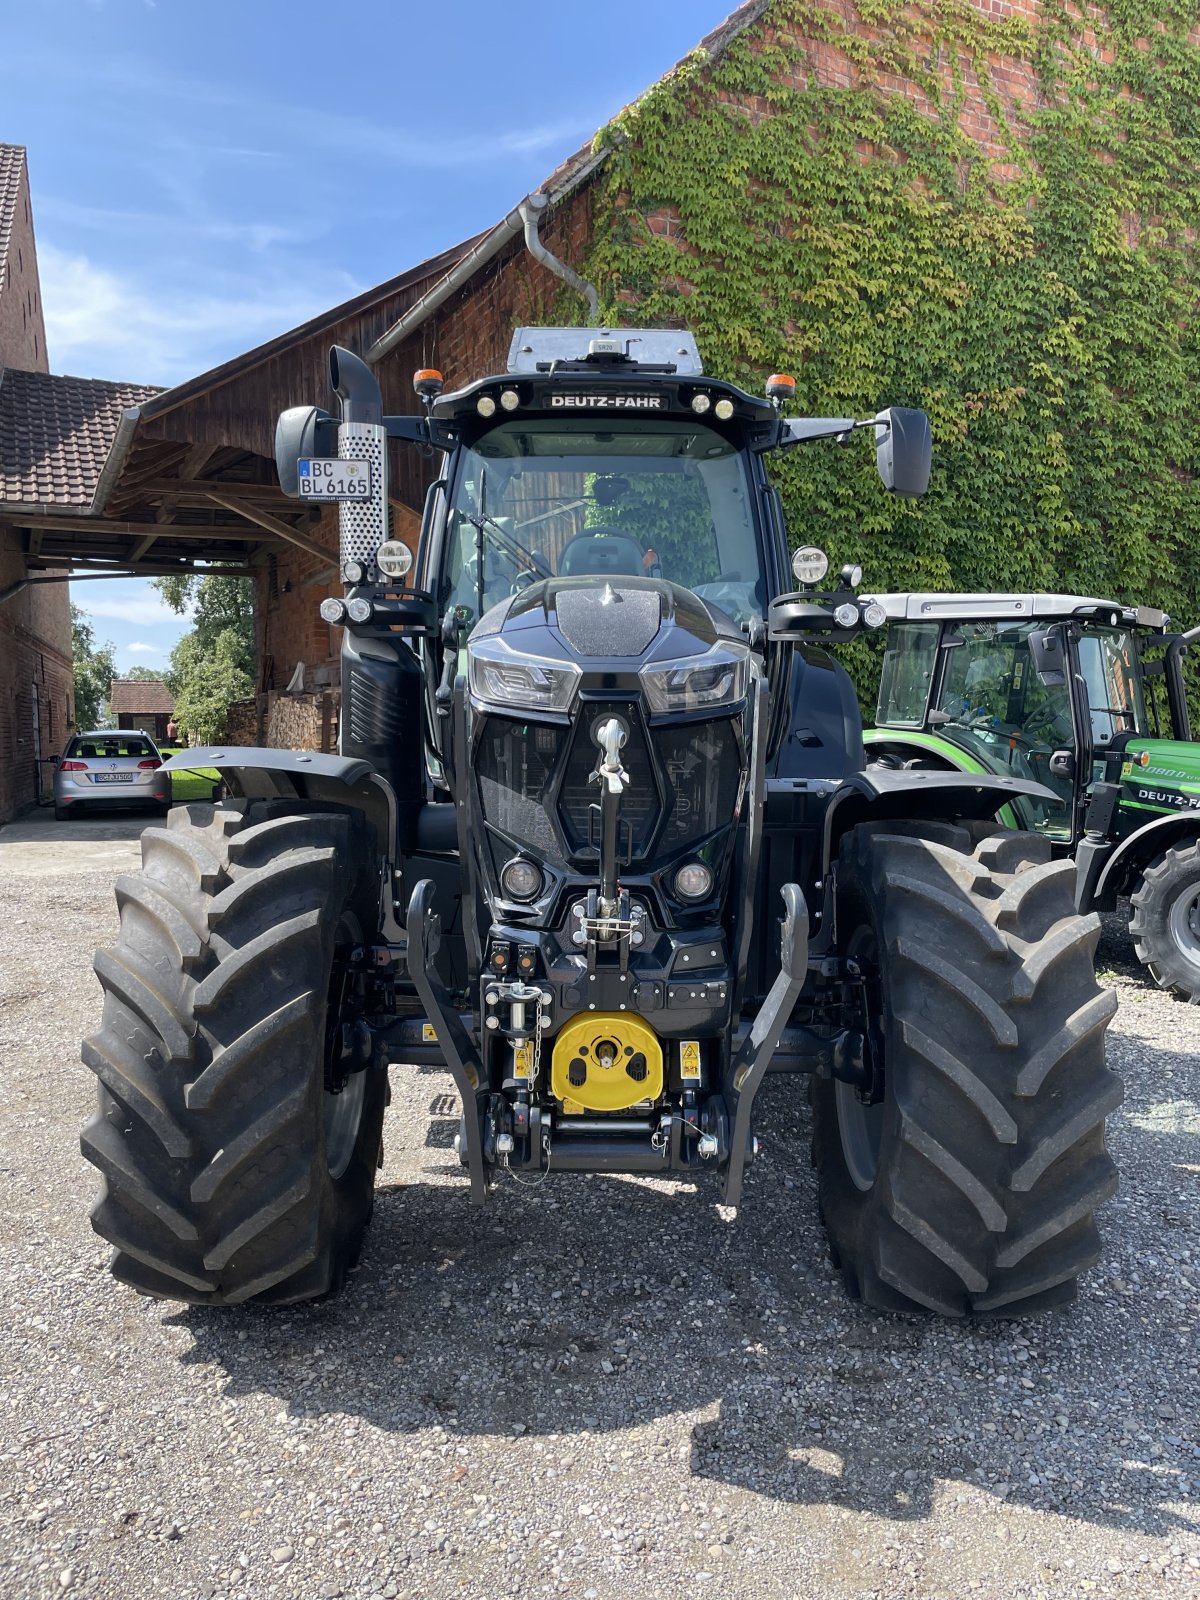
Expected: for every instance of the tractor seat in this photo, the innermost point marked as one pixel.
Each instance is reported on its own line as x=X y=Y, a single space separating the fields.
x=612 y=552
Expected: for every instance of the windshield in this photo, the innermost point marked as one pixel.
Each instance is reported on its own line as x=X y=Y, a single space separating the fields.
x=535 y=500
x=994 y=705
x=1108 y=661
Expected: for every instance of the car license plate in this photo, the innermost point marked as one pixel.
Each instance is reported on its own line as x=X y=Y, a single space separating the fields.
x=327 y=478
x=112 y=777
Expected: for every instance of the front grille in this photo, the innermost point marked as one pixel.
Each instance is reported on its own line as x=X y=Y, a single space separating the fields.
x=515 y=764
x=702 y=768
x=640 y=807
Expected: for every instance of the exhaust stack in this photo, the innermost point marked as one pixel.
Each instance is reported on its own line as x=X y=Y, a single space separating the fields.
x=362 y=525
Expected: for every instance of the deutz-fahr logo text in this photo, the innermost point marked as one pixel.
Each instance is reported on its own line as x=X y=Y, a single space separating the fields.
x=608 y=402
x=1170 y=797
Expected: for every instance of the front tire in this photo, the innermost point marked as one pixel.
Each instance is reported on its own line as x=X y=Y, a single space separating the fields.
x=1166 y=920
x=230 y=1171
x=969 y=1182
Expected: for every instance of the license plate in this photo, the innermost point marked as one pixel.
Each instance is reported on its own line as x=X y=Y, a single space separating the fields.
x=327 y=478
x=112 y=777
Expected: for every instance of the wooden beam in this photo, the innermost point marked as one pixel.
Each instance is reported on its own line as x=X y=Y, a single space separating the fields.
x=281 y=530
x=135 y=530
x=140 y=548
x=204 y=486
x=197 y=459
x=152 y=570
x=35 y=541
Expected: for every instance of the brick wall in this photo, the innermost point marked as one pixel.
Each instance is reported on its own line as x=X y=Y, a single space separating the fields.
x=467 y=338
x=36 y=682
x=22 y=329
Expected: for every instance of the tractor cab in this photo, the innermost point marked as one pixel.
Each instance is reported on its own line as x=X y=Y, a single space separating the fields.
x=1062 y=689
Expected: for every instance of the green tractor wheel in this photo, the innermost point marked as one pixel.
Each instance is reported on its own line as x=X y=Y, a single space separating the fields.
x=1166 y=920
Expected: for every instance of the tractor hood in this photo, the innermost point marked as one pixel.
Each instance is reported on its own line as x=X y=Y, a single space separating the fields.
x=1163 y=774
x=564 y=637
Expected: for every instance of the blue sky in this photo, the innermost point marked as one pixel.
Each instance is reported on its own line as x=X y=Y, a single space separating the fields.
x=208 y=173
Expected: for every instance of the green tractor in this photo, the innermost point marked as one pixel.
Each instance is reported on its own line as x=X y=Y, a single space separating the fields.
x=1085 y=697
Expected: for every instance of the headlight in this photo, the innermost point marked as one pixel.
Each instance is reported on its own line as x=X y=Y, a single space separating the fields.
x=846 y=616
x=694 y=881
x=502 y=676
x=874 y=615
x=520 y=879
x=717 y=678
x=810 y=564
x=393 y=558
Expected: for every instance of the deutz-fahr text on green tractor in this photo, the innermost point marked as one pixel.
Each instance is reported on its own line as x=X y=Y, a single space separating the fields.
x=1087 y=697
x=601 y=841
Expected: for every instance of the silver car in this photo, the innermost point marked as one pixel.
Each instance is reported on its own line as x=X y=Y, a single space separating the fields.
x=110 y=769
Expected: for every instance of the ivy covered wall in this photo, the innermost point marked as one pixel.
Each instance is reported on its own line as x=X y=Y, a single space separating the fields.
x=988 y=210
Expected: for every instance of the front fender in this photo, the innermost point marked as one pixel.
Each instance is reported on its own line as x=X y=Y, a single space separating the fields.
x=258 y=773
x=879 y=795
x=1104 y=871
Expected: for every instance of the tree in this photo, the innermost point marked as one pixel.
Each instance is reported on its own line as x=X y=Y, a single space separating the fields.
x=95 y=670
x=145 y=675
x=216 y=606
x=206 y=676
x=213 y=665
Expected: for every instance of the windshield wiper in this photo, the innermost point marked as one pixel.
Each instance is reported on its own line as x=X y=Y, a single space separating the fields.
x=483 y=520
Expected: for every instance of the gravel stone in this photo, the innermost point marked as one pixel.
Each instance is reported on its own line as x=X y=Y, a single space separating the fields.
x=700 y=1384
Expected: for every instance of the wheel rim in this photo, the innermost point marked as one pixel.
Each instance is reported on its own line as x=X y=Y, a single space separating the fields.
x=343 y=1113
x=860 y=1126
x=343 y=1110
x=1185 y=924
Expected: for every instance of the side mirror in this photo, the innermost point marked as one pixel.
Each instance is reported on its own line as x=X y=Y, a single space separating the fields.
x=1062 y=763
x=302 y=431
x=903 y=450
x=1046 y=648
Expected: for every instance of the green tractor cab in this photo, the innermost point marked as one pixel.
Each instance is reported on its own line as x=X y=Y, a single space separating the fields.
x=1086 y=697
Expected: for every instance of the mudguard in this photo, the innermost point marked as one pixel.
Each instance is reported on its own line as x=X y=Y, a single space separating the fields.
x=880 y=794
x=254 y=772
x=1103 y=869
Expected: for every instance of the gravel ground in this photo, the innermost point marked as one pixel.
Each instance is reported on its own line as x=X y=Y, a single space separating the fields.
x=597 y=1387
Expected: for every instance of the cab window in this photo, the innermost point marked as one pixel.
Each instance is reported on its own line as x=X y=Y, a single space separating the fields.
x=1108 y=661
x=669 y=499
x=907 y=674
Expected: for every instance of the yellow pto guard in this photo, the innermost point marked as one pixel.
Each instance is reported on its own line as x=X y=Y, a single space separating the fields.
x=606 y=1061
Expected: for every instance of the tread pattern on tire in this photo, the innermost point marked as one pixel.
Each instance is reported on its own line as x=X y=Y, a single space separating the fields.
x=207 y=1135
x=993 y=1158
x=1150 y=906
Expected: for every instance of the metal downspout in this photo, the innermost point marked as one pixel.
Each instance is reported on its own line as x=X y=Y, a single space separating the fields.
x=531 y=209
x=489 y=247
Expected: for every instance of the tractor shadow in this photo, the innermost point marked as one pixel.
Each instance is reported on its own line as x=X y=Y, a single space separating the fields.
x=597 y=1304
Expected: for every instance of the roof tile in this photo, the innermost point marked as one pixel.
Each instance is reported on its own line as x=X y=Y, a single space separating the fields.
x=140 y=696
x=56 y=432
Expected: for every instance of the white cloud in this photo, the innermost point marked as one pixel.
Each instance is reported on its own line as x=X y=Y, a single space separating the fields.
x=137 y=647
x=143 y=612
x=103 y=324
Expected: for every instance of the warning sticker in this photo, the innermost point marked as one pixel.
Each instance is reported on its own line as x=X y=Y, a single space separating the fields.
x=689 y=1058
x=522 y=1059
x=428 y=1036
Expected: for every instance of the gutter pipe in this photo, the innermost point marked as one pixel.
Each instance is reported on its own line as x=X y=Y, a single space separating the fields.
x=522 y=219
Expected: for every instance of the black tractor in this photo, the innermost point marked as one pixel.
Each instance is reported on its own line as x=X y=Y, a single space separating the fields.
x=601 y=841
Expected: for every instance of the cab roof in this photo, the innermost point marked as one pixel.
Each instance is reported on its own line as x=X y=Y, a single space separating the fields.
x=1049 y=607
